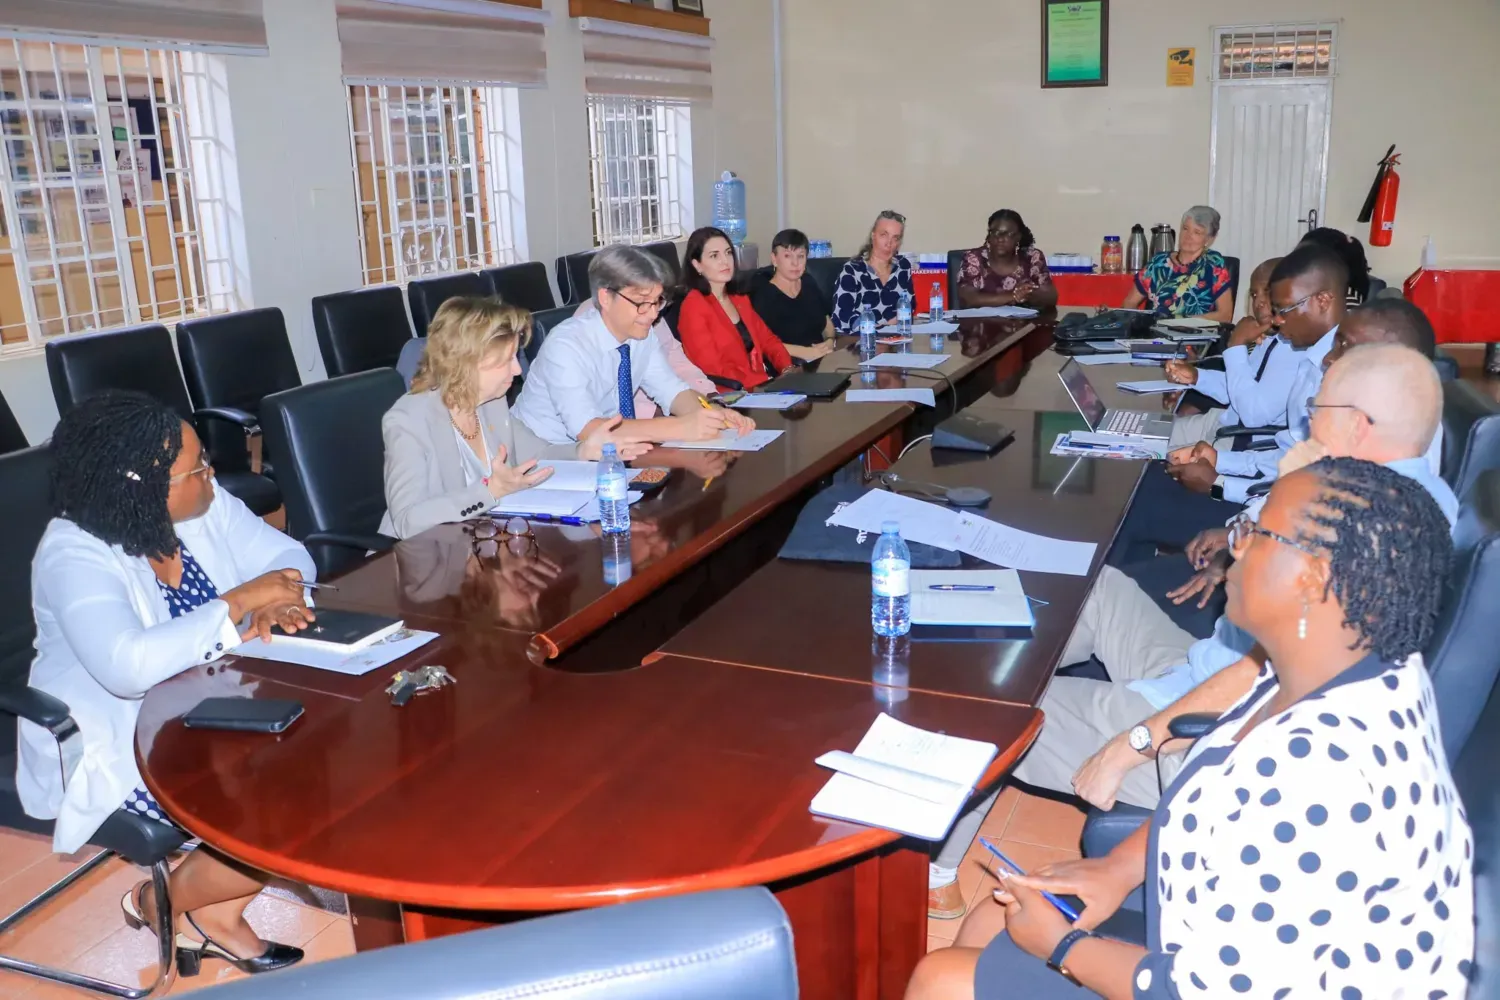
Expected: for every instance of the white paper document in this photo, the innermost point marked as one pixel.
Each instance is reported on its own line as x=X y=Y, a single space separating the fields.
x=1191 y=322
x=1006 y=546
x=729 y=440
x=927 y=523
x=987 y=312
x=903 y=778
x=935 y=326
x=1087 y=445
x=568 y=474
x=1005 y=605
x=1118 y=358
x=1149 y=386
x=768 y=401
x=905 y=361
x=371 y=657
x=923 y=396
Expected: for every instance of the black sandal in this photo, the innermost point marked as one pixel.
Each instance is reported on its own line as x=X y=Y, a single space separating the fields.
x=190 y=954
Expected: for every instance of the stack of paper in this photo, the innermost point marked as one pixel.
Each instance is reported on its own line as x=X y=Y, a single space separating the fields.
x=905 y=361
x=361 y=661
x=903 y=778
x=768 y=401
x=923 y=396
x=729 y=440
x=986 y=312
x=565 y=493
x=935 y=326
x=1109 y=446
x=1149 y=386
x=1003 y=604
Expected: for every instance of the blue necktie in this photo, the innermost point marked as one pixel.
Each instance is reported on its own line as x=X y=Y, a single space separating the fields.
x=622 y=381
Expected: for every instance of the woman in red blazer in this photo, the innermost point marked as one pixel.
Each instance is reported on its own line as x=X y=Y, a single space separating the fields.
x=717 y=326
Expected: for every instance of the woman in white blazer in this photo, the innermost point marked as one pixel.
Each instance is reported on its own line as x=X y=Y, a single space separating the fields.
x=146 y=570
x=451 y=447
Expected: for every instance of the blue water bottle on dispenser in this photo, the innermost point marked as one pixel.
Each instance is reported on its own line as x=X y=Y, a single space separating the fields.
x=729 y=207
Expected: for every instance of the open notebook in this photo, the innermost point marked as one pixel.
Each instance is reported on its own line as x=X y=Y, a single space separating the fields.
x=903 y=778
x=568 y=492
x=1004 y=606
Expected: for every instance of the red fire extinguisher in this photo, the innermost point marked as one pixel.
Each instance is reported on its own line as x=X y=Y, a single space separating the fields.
x=1380 y=206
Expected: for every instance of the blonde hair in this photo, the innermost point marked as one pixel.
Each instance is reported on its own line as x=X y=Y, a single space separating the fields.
x=887 y=215
x=463 y=332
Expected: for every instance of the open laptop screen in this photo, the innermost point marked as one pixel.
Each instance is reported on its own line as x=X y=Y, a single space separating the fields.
x=1077 y=383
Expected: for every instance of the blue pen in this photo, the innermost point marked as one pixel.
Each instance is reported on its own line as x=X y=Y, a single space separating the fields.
x=549 y=519
x=1062 y=907
x=962 y=587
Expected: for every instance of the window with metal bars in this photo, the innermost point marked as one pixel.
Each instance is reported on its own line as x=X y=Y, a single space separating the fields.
x=101 y=205
x=437 y=172
x=1276 y=52
x=640 y=154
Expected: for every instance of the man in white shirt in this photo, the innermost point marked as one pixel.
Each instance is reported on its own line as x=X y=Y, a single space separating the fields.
x=590 y=366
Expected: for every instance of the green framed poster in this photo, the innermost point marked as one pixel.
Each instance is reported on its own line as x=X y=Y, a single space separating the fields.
x=1075 y=43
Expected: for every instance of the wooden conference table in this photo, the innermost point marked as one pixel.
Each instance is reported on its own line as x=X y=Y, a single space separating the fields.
x=538 y=785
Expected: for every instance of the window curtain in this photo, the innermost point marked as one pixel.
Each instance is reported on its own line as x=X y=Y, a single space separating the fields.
x=236 y=27
x=626 y=61
x=474 y=43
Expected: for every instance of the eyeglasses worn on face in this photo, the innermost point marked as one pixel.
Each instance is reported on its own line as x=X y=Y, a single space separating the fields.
x=1313 y=404
x=644 y=307
x=1242 y=528
x=201 y=469
x=1288 y=310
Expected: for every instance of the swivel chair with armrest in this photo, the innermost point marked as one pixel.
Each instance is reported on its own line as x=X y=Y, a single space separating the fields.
x=141 y=358
x=1461 y=657
x=25 y=511
x=1471 y=435
x=733 y=944
x=360 y=330
x=327 y=439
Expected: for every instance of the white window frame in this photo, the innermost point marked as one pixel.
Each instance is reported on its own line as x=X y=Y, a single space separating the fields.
x=420 y=228
x=640 y=176
x=110 y=75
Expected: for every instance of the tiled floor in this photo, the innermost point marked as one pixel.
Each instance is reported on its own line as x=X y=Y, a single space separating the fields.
x=84 y=931
x=1032 y=831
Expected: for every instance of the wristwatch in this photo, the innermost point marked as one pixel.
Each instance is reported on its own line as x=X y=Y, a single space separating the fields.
x=1139 y=738
x=1060 y=954
x=1217 y=489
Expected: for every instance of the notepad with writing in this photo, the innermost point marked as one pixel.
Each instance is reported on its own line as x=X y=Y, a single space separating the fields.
x=1006 y=606
x=903 y=778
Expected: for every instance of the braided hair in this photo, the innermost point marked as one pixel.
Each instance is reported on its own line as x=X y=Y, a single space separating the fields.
x=1027 y=240
x=111 y=471
x=1389 y=546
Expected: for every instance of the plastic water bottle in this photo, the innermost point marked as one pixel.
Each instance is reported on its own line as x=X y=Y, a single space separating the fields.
x=903 y=314
x=866 y=330
x=890 y=583
x=936 y=308
x=617 y=566
x=729 y=206
x=614 y=505
x=891 y=656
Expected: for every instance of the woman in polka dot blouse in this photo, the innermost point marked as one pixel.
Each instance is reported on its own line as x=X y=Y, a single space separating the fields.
x=1313 y=844
x=875 y=277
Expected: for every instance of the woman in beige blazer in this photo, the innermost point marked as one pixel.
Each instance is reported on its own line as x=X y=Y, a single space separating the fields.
x=451 y=447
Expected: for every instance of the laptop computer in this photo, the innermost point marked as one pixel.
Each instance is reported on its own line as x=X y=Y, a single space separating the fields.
x=1101 y=420
x=817 y=385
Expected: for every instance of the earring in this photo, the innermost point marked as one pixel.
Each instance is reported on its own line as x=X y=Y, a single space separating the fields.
x=1302 y=622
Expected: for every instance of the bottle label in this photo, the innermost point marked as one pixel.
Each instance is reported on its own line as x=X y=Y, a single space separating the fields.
x=891 y=578
x=612 y=487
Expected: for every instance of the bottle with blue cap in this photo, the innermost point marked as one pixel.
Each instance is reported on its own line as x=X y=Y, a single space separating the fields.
x=890 y=582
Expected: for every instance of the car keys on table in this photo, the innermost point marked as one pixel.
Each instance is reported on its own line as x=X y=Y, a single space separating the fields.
x=409 y=682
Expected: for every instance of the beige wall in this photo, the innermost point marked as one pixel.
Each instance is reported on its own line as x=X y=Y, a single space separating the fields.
x=740 y=129
x=936 y=111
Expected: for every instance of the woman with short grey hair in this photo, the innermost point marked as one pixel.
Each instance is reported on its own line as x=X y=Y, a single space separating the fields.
x=1193 y=280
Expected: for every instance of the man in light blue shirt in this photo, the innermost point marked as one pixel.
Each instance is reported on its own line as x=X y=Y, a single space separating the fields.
x=590 y=365
x=1381 y=403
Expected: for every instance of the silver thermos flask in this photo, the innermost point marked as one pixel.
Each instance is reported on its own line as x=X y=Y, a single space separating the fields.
x=1163 y=239
x=1135 y=251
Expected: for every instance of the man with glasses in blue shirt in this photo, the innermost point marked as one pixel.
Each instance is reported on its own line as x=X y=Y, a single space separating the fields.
x=589 y=366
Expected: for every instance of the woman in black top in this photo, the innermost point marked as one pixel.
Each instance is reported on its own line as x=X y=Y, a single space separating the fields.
x=795 y=309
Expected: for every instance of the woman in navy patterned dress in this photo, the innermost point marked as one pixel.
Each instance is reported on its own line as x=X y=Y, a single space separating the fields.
x=875 y=277
x=1314 y=843
x=146 y=571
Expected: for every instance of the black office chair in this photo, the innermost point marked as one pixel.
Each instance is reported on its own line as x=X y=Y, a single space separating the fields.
x=572 y=272
x=1461 y=657
x=428 y=295
x=12 y=438
x=25 y=510
x=141 y=358
x=955 y=268
x=523 y=285
x=1474 y=773
x=541 y=325
x=1378 y=285
x=331 y=463
x=824 y=271
x=1471 y=434
x=667 y=251
x=232 y=362
x=1233 y=263
x=361 y=330
x=1446 y=365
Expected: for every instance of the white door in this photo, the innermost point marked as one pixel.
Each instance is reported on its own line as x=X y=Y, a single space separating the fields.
x=1268 y=172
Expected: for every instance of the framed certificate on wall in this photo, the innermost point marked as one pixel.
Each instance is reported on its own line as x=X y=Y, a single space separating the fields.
x=1075 y=43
